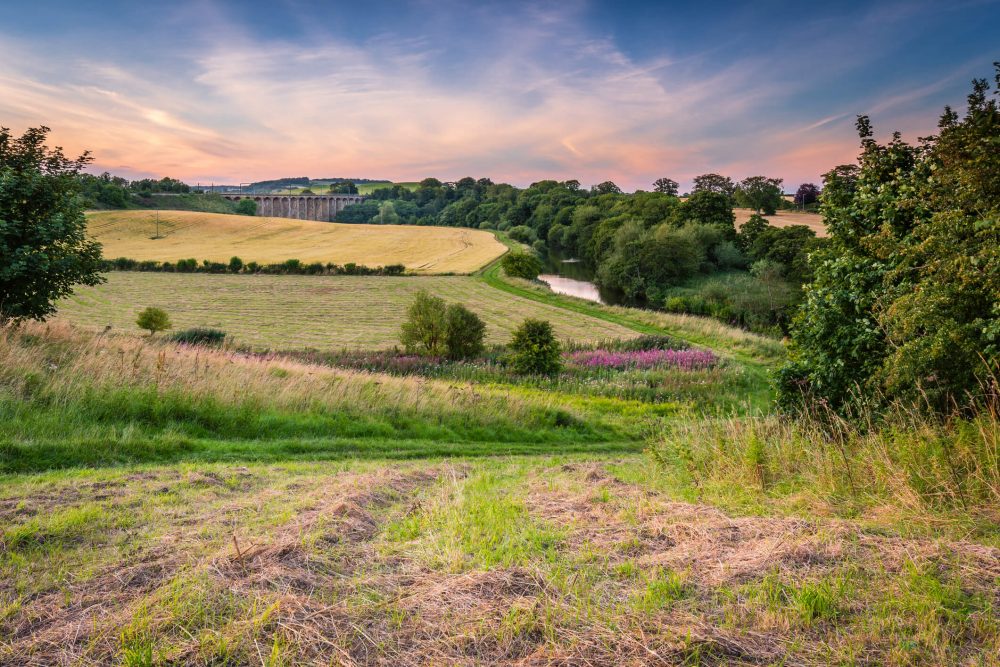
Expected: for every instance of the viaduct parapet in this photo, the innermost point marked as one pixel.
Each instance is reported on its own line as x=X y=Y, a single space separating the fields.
x=301 y=207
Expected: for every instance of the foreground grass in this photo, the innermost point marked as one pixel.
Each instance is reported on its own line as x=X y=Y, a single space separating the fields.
x=217 y=237
x=326 y=312
x=72 y=398
x=535 y=560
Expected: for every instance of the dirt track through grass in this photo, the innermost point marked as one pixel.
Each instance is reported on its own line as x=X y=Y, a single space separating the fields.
x=514 y=561
x=217 y=237
x=292 y=312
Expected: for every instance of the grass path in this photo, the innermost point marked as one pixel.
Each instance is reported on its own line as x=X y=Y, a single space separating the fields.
x=759 y=354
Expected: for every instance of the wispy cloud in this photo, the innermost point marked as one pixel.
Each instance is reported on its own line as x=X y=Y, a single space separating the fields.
x=518 y=93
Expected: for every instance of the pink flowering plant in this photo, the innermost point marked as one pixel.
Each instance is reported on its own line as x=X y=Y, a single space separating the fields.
x=688 y=359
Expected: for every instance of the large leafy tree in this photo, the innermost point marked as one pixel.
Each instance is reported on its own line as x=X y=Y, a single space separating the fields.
x=760 y=193
x=44 y=249
x=666 y=186
x=905 y=303
x=715 y=183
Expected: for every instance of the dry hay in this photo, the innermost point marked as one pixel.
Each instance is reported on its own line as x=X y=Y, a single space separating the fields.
x=813 y=221
x=219 y=236
x=323 y=312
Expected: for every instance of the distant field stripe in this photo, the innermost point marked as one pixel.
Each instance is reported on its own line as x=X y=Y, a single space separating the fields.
x=217 y=237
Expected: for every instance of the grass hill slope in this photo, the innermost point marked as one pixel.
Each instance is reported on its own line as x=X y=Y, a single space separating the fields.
x=217 y=237
x=289 y=312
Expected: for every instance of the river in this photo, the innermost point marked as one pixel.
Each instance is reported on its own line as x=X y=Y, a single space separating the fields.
x=573 y=278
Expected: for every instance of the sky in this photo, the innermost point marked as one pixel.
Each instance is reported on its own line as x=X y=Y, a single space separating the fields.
x=228 y=92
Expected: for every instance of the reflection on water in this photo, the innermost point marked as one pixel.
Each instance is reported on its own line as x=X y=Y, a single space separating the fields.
x=565 y=275
x=571 y=287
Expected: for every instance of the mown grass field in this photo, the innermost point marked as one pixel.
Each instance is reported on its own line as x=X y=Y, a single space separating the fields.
x=289 y=312
x=217 y=237
x=540 y=560
x=813 y=221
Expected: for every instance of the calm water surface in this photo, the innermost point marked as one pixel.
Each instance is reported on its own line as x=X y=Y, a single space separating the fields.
x=574 y=278
x=572 y=287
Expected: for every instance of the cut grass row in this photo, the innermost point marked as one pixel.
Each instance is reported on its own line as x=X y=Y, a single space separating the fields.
x=556 y=559
x=294 y=312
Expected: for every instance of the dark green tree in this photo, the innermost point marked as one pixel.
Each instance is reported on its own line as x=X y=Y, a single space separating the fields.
x=464 y=332
x=424 y=328
x=665 y=186
x=534 y=349
x=760 y=193
x=518 y=264
x=246 y=207
x=606 y=188
x=710 y=208
x=714 y=183
x=905 y=303
x=750 y=230
x=44 y=249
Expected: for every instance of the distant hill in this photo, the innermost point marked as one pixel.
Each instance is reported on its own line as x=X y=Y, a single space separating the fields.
x=306 y=182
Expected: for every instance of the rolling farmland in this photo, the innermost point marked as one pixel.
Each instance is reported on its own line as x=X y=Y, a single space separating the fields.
x=291 y=312
x=217 y=237
x=813 y=221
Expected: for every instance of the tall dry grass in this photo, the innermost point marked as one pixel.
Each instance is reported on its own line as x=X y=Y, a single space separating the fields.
x=57 y=369
x=926 y=471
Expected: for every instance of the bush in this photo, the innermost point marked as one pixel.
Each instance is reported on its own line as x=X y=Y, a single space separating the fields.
x=424 y=329
x=433 y=328
x=464 y=332
x=534 y=349
x=522 y=233
x=246 y=207
x=235 y=264
x=153 y=320
x=517 y=264
x=200 y=336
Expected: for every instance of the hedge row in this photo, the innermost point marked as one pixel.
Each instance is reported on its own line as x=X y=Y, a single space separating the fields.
x=235 y=265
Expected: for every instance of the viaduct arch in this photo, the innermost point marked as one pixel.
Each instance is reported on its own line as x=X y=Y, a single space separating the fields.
x=301 y=207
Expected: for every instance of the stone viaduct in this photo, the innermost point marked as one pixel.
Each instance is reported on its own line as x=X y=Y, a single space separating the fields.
x=302 y=207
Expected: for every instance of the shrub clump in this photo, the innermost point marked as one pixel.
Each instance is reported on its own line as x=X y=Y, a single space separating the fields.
x=534 y=349
x=521 y=265
x=200 y=336
x=435 y=328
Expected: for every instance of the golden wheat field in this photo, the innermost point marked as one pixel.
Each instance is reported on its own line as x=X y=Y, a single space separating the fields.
x=218 y=236
x=813 y=221
x=293 y=312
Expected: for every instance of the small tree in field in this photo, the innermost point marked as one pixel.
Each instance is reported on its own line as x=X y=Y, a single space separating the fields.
x=521 y=265
x=424 y=328
x=246 y=207
x=534 y=349
x=153 y=320
x=44 y=249
x=464 y=332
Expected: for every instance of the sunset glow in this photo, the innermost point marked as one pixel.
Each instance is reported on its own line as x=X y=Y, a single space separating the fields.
x=234 y=92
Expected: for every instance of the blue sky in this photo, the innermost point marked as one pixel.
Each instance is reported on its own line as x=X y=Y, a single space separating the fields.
x=238 y=91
